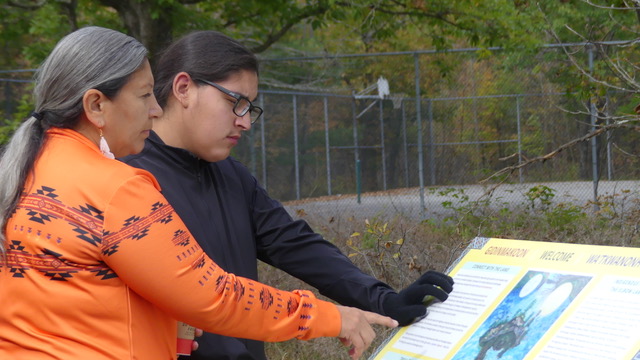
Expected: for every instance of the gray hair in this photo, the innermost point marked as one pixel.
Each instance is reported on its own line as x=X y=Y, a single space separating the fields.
x=89 y=58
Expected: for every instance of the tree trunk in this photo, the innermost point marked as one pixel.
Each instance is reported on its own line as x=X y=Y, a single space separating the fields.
x=154 y=33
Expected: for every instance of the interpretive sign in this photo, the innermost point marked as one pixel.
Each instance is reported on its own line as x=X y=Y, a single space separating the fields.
x=516 y=299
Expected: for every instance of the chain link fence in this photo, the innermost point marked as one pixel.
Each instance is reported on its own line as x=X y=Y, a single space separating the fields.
x=327 y=143
x=362 y=154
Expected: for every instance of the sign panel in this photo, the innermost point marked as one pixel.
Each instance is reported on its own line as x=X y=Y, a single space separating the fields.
x=517 y=299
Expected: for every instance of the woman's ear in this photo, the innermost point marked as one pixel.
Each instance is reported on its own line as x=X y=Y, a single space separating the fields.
x=93 y=102
x=182 y=85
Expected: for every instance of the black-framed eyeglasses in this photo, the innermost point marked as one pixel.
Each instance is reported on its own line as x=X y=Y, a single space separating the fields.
x=242 y=106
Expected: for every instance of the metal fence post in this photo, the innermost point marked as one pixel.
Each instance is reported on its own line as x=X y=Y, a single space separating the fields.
x=431 y=147
x=355 y=144
x=295 y=145
x=326 y=142
x=520 y=177
x=404 y=144
x=594 y=143
x=609 y=154
x=358 y=181
x=416 y=66
x=383 y=155
x=252 y=150
x=263 y=147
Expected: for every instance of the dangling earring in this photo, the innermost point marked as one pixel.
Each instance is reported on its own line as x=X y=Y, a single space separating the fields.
x=104 y=147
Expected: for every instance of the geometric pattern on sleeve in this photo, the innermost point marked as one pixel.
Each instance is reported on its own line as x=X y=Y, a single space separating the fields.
x=137 y=227
x=51 y=264
x=42 y=206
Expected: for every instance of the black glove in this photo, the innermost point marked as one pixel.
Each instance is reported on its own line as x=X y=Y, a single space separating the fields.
x=407 y=306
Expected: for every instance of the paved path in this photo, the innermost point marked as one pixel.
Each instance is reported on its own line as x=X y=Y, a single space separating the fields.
x=406 y=202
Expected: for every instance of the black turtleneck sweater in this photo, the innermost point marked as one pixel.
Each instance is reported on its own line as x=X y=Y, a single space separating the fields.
x=236 y=222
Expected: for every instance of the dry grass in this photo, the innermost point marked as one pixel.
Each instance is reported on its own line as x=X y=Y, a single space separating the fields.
x=435 y=245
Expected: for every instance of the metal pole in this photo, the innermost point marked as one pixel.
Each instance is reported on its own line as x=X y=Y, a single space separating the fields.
x=326 y=142
x=594 y=144
x=416 y=65
x=609 y=154
x=295 y=145
x=384 y=166
x=263 y=122
x=404 y=147
x=252 y=150
x=355 y=146
x=432 y=153
x=519 y=139
x=474 y=107
x=358 y=180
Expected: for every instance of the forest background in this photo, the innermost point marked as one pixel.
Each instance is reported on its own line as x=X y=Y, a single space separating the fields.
x=311 y=50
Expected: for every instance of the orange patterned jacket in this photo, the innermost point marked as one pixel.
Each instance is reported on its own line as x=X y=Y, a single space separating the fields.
x=99 y=267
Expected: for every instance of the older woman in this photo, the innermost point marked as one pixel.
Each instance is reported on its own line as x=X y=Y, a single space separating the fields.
x=96 y=263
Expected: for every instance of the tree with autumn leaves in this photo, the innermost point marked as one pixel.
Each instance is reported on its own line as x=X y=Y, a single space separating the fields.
x=277 y=28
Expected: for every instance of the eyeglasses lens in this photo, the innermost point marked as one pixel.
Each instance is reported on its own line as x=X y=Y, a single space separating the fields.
x=241 y=107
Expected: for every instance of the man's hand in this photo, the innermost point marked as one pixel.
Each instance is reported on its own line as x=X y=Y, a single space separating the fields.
x=409 y=305
x=356 y=331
